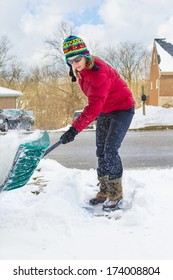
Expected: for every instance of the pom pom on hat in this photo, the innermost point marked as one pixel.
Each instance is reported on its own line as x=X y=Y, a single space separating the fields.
x=73 y=46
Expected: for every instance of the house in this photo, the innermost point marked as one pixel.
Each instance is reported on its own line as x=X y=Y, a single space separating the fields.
x=161 y=74
x=8 y=98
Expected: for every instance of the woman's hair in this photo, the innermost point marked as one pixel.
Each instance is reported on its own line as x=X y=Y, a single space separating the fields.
x=89 y=64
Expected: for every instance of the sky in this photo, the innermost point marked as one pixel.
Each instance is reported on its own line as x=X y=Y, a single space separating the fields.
x=28 y=23
x=54 y=225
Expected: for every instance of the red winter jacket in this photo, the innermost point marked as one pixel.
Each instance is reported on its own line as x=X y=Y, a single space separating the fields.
x=106 y=92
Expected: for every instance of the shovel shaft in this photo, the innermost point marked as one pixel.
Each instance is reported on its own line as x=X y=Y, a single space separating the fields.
x=48 y=150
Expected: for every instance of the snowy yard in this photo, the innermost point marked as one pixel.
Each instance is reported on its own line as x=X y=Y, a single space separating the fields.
x=54 y=224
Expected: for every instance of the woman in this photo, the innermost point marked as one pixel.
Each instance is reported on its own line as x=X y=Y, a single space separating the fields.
x=112 y=103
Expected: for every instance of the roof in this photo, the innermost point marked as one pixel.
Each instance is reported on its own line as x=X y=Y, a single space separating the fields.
x=6 y=92
x=165 y=55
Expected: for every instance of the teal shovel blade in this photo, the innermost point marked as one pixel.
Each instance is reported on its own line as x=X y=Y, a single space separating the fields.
x=25 y=162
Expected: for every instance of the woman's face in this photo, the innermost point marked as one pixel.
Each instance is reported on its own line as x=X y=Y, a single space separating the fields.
x=78 y=62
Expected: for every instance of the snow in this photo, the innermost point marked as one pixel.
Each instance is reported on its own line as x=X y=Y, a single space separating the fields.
x=9 y=148
x=53 y=225
x=166 y=63
x=9 y=92
x=155 y=116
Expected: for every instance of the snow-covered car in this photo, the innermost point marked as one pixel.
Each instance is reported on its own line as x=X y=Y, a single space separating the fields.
x=18 y=119
x=90 y=126
x=3 y=122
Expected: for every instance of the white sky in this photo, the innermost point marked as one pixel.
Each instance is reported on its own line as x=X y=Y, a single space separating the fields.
x=27 y=23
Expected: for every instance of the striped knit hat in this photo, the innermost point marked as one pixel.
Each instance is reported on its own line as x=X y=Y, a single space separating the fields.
x=73 y=46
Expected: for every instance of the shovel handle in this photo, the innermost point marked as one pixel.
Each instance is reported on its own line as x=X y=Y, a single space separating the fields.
x=48 y=150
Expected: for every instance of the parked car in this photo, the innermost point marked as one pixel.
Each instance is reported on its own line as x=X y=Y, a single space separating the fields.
x=90 y=126
x=18 y=119
x=3 y=122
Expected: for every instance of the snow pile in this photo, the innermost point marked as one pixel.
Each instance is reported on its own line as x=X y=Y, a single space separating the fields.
x=155 y=116
x=9 y=144
x=8 y=147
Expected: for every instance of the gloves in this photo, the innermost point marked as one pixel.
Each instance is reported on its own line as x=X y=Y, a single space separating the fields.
x=69 y=135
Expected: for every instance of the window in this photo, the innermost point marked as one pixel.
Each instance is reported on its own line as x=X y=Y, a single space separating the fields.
x=157 y=83
x=151 y=86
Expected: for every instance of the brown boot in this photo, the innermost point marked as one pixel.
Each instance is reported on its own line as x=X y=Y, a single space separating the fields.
x=101 y=196
x=115 y=194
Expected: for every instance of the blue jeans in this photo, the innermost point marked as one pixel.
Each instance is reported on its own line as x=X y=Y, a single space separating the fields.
x=110 y=132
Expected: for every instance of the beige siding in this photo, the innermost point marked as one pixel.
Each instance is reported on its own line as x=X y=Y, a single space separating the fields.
x=7 y=102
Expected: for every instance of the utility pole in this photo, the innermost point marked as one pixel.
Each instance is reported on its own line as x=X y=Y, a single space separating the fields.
x=143 y=98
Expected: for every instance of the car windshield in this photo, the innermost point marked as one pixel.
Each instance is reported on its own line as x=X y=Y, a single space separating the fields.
x=12 y=113
x=76 y=114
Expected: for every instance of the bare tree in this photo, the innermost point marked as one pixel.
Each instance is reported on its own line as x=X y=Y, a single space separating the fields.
x=54 y=46
x=52 y=98
x=132 y=60
x=10 y=69
x=48 y=89
x=55 y=76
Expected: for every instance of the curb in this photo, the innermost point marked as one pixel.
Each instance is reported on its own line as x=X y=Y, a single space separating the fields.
x=152 y=127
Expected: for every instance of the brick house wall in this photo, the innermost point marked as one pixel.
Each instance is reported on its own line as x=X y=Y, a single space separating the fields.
x=166 y=84
x=166 y=90
x=153 y=98
x=161 y=84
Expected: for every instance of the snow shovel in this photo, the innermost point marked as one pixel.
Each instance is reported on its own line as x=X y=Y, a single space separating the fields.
x=25 y=162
